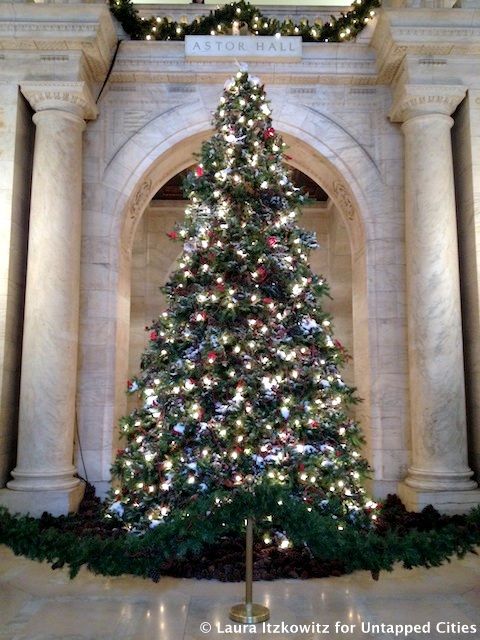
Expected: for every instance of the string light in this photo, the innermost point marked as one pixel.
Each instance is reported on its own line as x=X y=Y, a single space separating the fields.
x=135 y=25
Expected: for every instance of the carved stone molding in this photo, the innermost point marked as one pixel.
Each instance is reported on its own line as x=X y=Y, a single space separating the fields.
x=344 y=201
x=138 y=202
x=414 y=100
x=421 y=4
x=139 y=62
x=76 y=27
x=140 y=198
x=74 y=97
x=423 y=32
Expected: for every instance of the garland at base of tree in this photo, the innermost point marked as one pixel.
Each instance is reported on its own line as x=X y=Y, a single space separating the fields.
x=426 y=539
x=246 y=18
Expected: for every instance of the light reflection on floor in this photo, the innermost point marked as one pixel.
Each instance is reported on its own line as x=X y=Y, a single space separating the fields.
x=37 y=603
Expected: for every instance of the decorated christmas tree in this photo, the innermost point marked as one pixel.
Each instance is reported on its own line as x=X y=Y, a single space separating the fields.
x=243 y=409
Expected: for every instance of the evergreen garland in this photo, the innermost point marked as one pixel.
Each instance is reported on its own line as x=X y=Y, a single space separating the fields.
x=220 y=22
x=415 y=540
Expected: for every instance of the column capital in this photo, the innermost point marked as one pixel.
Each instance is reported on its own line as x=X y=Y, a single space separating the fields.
x=72 y=97
x=412 y=100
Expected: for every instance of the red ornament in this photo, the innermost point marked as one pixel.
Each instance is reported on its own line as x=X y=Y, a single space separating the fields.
x=199 y=171
x=153 y=336
x=267 y=300
x=211 y=357
x=268 y=133
x=173 y=235
x=261 y=274
x=272 y=241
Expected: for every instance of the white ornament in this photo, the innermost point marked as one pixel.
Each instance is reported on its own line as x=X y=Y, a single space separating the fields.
x=308 y=324
x=285 y=411
x=221 y=408
x=117 y=508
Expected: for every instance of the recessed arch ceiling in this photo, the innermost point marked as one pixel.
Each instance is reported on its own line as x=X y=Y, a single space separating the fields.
x=172 y=190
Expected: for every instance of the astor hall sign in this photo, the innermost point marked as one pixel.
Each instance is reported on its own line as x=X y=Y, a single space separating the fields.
x=287 y=49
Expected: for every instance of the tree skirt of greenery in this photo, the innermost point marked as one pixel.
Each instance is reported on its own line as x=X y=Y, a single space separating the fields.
x=425 y=539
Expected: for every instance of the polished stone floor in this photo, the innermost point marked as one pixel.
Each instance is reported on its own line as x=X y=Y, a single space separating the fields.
x=37 y=603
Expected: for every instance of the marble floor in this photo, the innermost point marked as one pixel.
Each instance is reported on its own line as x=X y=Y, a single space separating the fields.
x=37 y=603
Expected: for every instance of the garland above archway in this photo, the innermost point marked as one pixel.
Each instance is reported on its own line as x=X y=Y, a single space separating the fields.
x=243 y=17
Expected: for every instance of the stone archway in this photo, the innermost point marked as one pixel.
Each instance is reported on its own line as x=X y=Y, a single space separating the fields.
x=330 y=156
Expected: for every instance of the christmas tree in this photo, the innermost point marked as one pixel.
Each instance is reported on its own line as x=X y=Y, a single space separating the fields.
x=243 y=408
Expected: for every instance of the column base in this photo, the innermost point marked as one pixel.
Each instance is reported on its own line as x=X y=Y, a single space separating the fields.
x=442 y=480
x=43 y=479
x=445 y=501
x=57 y=502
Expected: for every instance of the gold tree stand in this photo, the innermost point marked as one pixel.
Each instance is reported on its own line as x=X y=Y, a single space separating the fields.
x=249 y=612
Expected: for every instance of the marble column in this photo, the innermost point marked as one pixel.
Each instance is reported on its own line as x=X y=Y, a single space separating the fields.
x=43 y=479
x=439 y=472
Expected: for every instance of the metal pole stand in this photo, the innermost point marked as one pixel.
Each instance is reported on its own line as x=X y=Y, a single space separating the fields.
x=249 y=612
